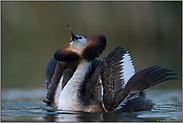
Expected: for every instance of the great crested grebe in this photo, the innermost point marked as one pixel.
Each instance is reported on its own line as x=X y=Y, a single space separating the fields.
x=76 y=81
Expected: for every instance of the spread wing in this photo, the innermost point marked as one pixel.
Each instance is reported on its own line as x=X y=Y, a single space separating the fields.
x=120 y=82
x=63 y=72
x=140 y=81
x=116 y=70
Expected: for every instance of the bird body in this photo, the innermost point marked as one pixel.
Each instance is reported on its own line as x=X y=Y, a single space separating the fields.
x=80 y=82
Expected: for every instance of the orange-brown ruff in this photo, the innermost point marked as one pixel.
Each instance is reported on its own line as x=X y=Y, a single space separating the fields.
x=77 y=81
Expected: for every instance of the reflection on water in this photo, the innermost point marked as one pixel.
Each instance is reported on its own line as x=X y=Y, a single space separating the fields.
x=86 y=117
x=27 y=105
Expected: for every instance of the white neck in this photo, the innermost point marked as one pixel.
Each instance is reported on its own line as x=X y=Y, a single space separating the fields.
x=80 y=72
x=68 y=99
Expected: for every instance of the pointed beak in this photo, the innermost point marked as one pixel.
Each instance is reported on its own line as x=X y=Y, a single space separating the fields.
x=72 y=34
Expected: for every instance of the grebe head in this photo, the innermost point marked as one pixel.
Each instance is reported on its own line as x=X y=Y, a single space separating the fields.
x=77 y=43
x=81 y=48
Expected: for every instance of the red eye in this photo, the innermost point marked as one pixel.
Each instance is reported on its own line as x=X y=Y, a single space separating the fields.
x=80 y=37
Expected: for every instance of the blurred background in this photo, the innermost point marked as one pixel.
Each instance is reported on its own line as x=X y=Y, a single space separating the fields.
x=33 y=31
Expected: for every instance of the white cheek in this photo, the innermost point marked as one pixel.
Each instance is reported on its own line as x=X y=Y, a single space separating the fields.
x=79 y=45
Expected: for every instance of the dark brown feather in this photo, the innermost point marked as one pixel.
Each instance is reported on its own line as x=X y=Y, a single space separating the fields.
x=95 y=46
x=138 y=103
x=145 y=79
x=148 y=77
x=54 y=83
x=110 y=75
x=95 y=107
x=66 y=54
x=68 y=72
x=91 y=86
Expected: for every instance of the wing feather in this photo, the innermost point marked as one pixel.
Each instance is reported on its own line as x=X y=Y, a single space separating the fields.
x=54 y=84
x=91 y=89
x=50 y=69
x=146 y=78
x=112 y=75
x=63 y=72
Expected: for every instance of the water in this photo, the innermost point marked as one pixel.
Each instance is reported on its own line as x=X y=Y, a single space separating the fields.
x=26 y=105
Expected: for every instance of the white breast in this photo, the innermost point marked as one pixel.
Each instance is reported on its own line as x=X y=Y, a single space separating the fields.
x=69 y=97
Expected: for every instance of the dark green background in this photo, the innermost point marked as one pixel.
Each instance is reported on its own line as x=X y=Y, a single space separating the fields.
x=33 y=31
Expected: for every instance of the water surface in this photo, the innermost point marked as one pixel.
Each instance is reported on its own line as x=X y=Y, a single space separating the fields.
x=26 y=105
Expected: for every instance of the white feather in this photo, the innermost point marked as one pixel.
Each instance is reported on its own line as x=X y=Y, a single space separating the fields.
x=127 y=72
x=100 y=95
x=105 y=109
x=128 y=68
x=58 y=90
